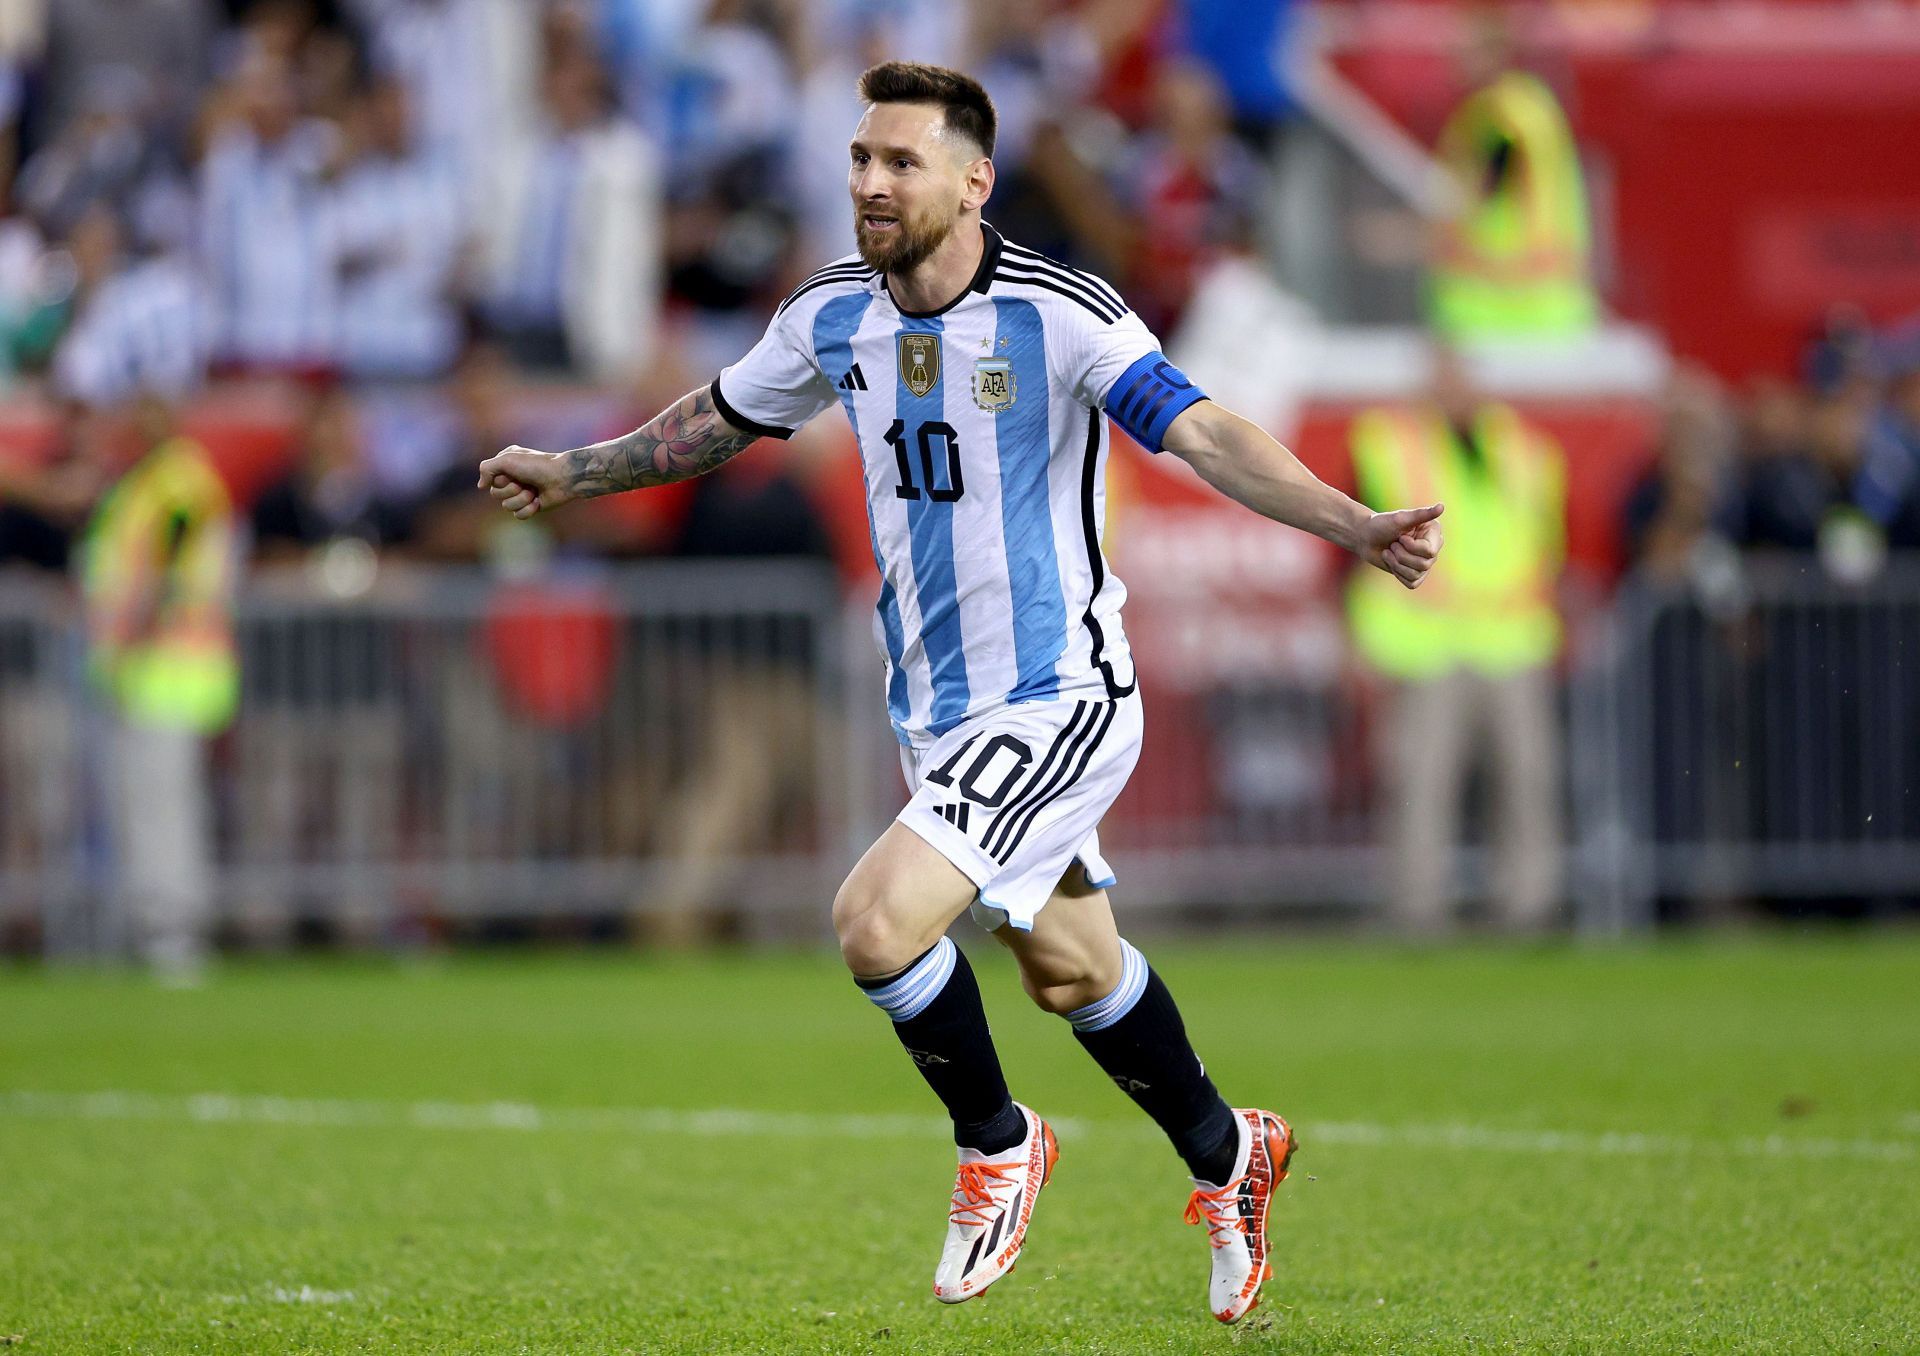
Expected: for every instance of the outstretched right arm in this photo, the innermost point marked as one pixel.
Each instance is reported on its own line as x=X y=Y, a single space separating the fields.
x=687 y=439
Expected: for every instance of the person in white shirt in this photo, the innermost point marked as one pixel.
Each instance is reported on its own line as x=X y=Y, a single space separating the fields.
x=265 y=235
x=398 y=231
x=571 y=245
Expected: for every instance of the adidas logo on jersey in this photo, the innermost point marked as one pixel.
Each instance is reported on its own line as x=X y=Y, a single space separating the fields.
x=855 y=380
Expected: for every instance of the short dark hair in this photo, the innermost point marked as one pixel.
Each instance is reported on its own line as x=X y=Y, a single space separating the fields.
x=963 y=99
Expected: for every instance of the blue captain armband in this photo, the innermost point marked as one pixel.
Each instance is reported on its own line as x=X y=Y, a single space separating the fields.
x=1147 y=397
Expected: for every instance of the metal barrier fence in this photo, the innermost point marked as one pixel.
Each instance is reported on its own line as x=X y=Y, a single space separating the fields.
x=660 y=741
x=1759 y=738
x=671 y=740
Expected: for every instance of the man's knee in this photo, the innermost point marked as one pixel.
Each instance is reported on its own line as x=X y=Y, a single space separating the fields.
x=872 y=943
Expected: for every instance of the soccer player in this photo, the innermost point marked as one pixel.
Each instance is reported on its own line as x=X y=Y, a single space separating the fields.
x=979 y=377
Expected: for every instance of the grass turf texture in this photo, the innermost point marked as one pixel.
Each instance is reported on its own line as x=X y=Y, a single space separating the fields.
x=168 y=1234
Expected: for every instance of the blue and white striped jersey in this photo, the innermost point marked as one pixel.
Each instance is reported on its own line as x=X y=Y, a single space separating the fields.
x=985 y=454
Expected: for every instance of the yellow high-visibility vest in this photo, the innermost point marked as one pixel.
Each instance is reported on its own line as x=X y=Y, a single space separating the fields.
x=157 y=569
x=1488 y=603
x=1517 y=263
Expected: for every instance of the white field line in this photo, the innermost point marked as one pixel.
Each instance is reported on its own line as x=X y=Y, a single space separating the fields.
x=222 y=1108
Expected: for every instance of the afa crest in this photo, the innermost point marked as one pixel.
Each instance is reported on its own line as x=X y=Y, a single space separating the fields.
x=920 y=361
x=993 y=384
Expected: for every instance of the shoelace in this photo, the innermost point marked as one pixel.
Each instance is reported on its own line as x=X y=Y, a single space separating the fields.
x=973 y=1201
x=1221 y=1212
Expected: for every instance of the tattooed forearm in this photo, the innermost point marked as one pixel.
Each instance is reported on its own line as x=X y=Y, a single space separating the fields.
x=687 y=439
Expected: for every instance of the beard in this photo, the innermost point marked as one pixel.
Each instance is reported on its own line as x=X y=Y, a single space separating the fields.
x=904 y=248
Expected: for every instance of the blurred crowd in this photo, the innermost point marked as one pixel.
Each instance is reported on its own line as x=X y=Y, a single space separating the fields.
x=411 y=211
x=1828 y=465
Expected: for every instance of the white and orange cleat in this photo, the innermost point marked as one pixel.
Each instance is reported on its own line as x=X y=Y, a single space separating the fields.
x=1235 y=1213
x=993 y=1200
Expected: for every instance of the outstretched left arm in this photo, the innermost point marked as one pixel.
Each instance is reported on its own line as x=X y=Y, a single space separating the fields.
x=1245 y=463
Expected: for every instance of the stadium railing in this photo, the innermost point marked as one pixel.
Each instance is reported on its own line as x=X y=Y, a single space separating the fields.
x=1753 y=734
x=446 y=745
x=700 y=738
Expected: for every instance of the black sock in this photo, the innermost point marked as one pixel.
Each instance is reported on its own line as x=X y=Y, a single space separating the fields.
x=935 y=1006
x=1136 y=1035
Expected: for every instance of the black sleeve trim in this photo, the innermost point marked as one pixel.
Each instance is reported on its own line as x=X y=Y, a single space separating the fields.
x=740 y=421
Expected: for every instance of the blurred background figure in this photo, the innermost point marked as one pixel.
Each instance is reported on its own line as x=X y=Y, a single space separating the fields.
x=572 y=247
x=320 y=743
x=1684 y=515
x=42 y=514
x=400 y=238
x=1514 y=256
x=266 y=237
x=1469 y=656
x=137 y=323
x=158 y=566
x=164 y=47
x=749 y=778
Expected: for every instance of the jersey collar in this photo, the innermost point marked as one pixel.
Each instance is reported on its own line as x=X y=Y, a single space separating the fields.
x=982 y=277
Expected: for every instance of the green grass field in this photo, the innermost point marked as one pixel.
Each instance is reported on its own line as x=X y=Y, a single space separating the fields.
x=1698 y=1146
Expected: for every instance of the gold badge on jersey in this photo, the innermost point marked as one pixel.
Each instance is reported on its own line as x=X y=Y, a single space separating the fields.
x=920 y=361
x=993 y=384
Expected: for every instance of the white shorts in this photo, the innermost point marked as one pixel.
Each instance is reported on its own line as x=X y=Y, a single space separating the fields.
x=1013 y=797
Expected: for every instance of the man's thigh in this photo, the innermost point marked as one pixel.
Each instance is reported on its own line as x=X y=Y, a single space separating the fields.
x=1074 y=940
x=900 y=898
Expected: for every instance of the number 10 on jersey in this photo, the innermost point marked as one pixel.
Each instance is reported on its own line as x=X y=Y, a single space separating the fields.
x=923 y=437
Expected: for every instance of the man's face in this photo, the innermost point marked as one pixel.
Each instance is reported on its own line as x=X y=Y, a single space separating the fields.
x=909 y=180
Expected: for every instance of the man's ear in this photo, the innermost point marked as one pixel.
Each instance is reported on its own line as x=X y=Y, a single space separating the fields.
x=979 y=185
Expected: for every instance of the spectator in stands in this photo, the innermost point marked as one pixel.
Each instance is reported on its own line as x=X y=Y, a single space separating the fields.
x=328 y=495
x=471 y=71
x=36 y=296
x=730 y=219
x=445 y=523
x=1688 y=501
x=1513 y=260
x=323 y=734
x=572 y=246
x=1174 y=205
x=22 y=40
x=641 y=40
x=157 y=567
x=1040 y=64
x=164 y=44
x=399 y=230
x=1894 y=439
x=1195 y=186
x=1779 y=486
x=139 y=326
x=42 y=510
x=106 y=155
x=748 y=778
x=1246 y=44
x=1818 y=479
x=265 y=235
x=1470 y=657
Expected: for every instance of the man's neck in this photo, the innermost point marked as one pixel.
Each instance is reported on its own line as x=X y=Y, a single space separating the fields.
x=943 y=275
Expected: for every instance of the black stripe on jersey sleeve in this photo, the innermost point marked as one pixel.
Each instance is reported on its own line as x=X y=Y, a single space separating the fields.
x=1073 y=293
x=740 y=421
x=1021 y=254
x=1095 y=565
x=841 y=273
